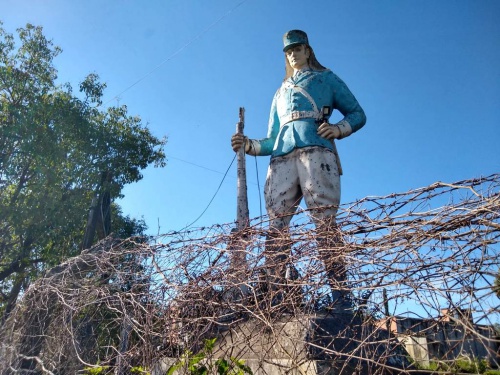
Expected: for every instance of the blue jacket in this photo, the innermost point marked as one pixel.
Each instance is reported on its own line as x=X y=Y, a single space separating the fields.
x=296 y=108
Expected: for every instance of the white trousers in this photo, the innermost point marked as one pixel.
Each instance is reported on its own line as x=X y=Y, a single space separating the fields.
x=309 y=172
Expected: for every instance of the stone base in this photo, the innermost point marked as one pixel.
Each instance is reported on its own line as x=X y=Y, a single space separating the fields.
x=268 y=367
x=327 y=344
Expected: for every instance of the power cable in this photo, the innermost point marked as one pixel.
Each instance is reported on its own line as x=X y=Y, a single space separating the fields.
x=198 y=36
x=213 y=197
x=191 y=163
x=220 y=184
x=213 y=170
x=258 y=185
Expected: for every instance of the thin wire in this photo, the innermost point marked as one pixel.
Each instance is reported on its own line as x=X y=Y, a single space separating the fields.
x=208 y=169
x=258 y=184
x=196 y=165
x=177 y=52
x=213 y=197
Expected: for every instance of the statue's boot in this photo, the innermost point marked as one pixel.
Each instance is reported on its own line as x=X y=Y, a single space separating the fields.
x=277 y=253
x=285 y=291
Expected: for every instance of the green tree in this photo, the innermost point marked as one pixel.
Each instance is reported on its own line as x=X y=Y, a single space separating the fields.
x=55 y=148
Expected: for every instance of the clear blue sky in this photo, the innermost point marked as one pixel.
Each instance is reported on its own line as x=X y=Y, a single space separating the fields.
x=425 y=72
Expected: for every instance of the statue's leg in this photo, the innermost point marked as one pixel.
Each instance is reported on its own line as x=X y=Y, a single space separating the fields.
x=282 y=195
x=331 y=249
x=280 y=280
x=277 y=252
x=320 y=182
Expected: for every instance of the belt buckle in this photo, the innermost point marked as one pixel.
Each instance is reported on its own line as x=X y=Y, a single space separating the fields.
x=295 y=115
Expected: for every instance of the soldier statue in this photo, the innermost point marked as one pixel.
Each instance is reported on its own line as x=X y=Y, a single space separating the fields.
x=304 y=161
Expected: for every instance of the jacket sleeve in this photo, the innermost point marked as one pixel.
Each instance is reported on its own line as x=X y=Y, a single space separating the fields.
x=264 y=146
x=343 y=100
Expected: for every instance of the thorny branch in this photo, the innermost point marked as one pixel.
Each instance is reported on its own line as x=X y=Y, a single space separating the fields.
x=408 y=255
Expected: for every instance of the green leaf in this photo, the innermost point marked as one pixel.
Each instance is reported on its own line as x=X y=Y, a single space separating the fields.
x=240 y=363
x=209 y=345
x=223 y=366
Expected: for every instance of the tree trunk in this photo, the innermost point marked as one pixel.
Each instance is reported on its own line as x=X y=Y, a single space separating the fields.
x=103 y=226
x=99 y=218
x=11 y=300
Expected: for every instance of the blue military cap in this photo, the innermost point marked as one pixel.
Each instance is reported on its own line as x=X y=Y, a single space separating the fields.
x=293 y=38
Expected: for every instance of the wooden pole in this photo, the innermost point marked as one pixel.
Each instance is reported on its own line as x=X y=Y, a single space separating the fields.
x=242 y=214
x=238 y=244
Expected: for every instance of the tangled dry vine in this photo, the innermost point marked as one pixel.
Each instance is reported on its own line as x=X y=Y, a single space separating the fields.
x=145 y=302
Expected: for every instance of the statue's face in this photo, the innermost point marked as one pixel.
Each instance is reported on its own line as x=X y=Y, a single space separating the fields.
x=298 y=56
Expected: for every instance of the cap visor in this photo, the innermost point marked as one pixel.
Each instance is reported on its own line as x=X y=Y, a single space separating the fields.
x=291 y=46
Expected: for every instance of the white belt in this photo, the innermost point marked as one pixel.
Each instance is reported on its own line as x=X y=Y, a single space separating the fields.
x=295 y=115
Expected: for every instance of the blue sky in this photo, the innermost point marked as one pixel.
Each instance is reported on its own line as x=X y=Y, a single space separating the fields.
x=425 y=72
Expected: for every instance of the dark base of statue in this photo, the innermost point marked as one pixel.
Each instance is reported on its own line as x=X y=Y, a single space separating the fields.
x=322 y=343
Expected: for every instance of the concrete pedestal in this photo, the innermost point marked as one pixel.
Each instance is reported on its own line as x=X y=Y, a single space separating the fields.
x=327 y=344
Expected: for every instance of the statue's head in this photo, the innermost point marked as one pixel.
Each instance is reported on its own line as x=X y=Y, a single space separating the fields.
x=294 y=38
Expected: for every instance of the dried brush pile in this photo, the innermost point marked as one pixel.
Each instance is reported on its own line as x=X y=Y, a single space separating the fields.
x=130 y=303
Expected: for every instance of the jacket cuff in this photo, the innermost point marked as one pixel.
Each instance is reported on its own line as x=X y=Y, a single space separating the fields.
x=254 y=147
x=345 y=129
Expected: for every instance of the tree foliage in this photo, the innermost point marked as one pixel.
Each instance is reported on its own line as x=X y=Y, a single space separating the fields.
x=54 y=148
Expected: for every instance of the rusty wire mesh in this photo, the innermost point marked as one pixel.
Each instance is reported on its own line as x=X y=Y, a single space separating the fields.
x=420 y=264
